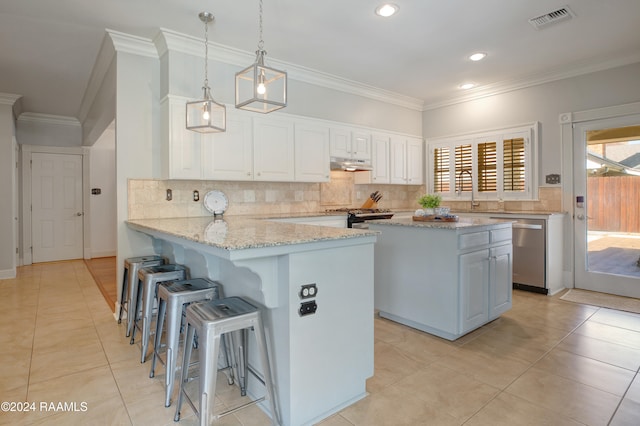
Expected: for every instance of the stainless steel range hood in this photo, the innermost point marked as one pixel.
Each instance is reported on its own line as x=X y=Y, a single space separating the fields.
x=349 y=164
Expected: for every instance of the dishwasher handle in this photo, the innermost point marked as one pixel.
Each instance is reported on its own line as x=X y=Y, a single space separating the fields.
x=526 y=226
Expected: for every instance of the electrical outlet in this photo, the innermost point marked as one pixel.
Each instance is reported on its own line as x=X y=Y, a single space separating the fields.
x=169 y=195
x=196 y=195
x=308 y=308
x=308 y=291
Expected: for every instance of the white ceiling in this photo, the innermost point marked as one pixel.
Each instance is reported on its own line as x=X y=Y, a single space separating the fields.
x=48 y=48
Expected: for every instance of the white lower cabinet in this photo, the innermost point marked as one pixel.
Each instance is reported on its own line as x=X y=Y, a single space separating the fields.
x=485 y=285
x=445 y=281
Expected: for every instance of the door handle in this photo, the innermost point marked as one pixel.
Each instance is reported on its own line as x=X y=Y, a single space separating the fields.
x=580 y=217
x=79 y=214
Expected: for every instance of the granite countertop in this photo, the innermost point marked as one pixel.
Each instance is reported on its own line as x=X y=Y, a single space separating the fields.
x=244 y=232
x=463 y=222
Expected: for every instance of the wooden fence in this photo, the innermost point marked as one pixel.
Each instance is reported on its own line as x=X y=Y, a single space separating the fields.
x=613 y=203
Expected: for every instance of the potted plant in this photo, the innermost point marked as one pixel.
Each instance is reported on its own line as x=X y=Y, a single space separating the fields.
x=430 y=202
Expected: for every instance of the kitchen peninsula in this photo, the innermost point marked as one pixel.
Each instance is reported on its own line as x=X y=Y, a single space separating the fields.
x=444 y=278
x=320 y=361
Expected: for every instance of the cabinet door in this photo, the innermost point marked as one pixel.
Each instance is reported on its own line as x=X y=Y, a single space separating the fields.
x=474 y=289
x=360 y=145
x=380 y=159
x=229 y=155
x=398 y=160
x=500 y=280
x=415 y=162
x=273 y=149
x=184 y=145
x=340 y=142
x=311 y=153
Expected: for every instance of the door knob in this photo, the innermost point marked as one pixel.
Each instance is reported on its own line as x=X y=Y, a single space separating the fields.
x=580 y=217
x=79 y=214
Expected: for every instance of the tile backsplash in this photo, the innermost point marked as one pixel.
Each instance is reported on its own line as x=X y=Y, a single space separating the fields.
x=147 y=197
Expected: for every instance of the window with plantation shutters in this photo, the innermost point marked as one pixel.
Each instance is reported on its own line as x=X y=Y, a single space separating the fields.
x=464 y=164
x=496 y=165
x=514 y=167
x=487 y=167
x=441 y=170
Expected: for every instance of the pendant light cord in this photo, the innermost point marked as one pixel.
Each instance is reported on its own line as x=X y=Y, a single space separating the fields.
x=206 y=58
x=260 y=42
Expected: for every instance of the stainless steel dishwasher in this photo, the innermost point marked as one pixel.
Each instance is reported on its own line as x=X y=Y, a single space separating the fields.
x=529 y=255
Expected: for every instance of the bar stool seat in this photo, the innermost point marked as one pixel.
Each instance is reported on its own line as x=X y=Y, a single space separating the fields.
x=149 y=278
x=212 y=320
x=129 y=291
x=173 y=298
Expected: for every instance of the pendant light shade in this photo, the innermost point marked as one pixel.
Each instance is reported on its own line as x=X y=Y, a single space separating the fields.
x=261 y=88
x=206 y=115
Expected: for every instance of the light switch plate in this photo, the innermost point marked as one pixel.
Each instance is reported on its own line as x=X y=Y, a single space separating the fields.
x=552 y=179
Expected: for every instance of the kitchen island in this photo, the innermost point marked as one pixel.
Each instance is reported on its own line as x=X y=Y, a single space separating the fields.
x=320 y=361
x=444 y=278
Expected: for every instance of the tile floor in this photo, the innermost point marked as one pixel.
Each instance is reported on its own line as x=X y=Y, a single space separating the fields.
x=545 y=362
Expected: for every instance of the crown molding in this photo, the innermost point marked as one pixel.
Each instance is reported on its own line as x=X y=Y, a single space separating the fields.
x=167 y=40
x=128 y=43
x=534 y=80
x=8 y=98
x=58 y=120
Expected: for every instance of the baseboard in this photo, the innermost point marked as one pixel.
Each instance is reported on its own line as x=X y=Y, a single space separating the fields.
x=106 y=253
x=6 y=274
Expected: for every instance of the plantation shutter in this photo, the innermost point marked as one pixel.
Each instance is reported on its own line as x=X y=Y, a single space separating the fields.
x=514 y=176
x=441 y=159
x=464 y=163
x=487 y=167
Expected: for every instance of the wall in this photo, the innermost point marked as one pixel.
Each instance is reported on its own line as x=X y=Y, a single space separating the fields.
x=543 y=103
x=48 y=130
x=183 y=73
x=7 y=177
x=103 y=206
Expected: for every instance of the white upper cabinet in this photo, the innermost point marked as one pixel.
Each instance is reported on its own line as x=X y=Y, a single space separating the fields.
x=311 y=153
x=398 y=160
x=415 y=161
x=229 y=155
x=380 y=159
x=347 y=143
x=273 y=149
x=181 y=147
x=361 y=145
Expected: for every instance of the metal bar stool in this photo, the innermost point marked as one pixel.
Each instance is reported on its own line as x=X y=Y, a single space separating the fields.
x=130 y=285
x=149 y=278
x=173 y=298
x=211 y=320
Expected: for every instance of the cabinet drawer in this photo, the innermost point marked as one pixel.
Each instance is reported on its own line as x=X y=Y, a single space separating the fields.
x=473 y=239
x=500 y=235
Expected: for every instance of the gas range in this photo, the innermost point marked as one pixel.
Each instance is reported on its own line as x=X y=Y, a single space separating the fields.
x=359 y=216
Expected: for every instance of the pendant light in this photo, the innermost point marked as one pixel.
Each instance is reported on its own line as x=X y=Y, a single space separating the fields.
x=206 y=115
x=260 y=88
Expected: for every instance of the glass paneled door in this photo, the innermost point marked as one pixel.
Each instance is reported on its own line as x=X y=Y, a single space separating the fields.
x=607 y=205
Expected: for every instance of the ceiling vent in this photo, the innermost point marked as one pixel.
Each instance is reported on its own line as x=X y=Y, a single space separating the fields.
x=560 y=15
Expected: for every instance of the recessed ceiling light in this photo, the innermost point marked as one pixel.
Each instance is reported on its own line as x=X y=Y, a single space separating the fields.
x=466 y=86
x=387 y=10
x=478 y=56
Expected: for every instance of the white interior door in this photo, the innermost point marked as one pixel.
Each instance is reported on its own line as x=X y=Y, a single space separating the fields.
x=56 y=202
x=607 y=257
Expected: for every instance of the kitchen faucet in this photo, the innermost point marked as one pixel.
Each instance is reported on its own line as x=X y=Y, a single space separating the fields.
x=473 y=203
